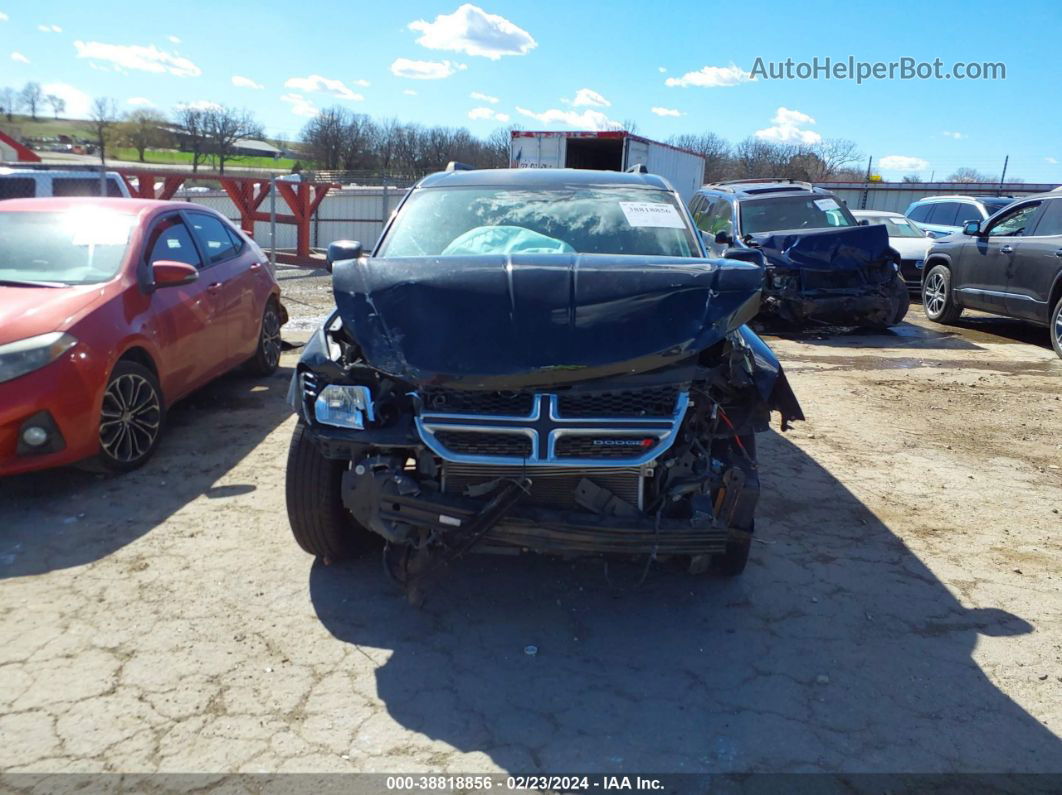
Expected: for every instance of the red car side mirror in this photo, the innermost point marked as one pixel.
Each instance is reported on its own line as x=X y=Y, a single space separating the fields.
x=168 y=273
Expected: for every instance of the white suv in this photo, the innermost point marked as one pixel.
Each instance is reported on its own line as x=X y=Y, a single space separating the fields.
x=946 y=215
x=34 y=183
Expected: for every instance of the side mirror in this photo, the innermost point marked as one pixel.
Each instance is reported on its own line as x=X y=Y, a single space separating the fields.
x=723 y=239
x=341 y=250
x=169 y=273
x=865 y=222
x=972 y=228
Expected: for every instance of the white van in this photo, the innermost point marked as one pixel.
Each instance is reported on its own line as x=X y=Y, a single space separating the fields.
x=32 y=183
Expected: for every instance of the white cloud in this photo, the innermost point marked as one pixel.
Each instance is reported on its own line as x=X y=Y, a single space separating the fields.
x=17 y=56
x=49 y=29
x=487 y=113
x=200 y=104
x=362 y=83
x=300 y=105
x=78 y=103
x=3 y=17
x=661 y=69
x=323 y=85
x=903 y=163
x=138 y=57
x=473 y=31
x=950 y=134
x=141 y=101
x=587 y=120
x=173 y=39
x=409 y=92
x=712 y=77
x=424 y=70
x=245 y=82
x=787 y=128
x=584 y=96
x=484 y=97
x=1052 y=160
x=666 y=111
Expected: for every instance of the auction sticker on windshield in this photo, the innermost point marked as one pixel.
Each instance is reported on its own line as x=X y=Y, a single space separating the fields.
x=826 y=204
x=652 y=214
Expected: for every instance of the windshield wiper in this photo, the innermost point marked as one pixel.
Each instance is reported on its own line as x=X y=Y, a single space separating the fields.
x=16 y=283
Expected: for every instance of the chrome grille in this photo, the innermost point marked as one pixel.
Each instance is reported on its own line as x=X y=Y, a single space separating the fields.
x=509 y=404
x=556 y=429
x=503 y=445
x=654 y=402
x=599 y=445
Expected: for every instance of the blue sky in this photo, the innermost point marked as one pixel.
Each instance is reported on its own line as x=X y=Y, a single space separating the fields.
x=567 y=65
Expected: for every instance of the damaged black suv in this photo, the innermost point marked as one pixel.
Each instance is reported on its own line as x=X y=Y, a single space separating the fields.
x=534 y=360
x=821 y=264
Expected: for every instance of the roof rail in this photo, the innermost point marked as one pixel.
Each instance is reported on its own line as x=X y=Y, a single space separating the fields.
x=638 y=168
x=454 y=165
x=763 y=180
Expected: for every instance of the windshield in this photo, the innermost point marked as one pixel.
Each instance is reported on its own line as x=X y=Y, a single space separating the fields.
x=793 y=212
x=474 y=221
x=78 y=246
x=995 y=205
x=897 y=227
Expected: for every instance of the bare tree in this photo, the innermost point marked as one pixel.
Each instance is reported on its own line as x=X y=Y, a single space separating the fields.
x=103 y=116
x=192 y=132
x=32 y=96
x=966 y=174
x=497 y=147
x=225 y=127
x=144 y=129
x=8 y=101
x=58 y=104
x=716 y=151
x=834 y=156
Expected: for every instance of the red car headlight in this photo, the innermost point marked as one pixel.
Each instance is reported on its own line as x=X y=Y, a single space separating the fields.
x=24 y=356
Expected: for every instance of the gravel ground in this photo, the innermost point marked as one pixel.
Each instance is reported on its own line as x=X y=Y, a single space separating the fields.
x=902 y=611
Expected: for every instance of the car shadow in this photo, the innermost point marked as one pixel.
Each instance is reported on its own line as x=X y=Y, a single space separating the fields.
x=58 y=518
x=837 y=650
x=902 y=336
x=997 y=329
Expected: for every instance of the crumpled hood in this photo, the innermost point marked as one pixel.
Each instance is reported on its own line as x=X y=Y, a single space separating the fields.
x=863 y=248
x=29 y=311
x=516 y=321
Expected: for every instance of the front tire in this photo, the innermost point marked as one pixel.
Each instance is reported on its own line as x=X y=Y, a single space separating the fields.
x=1055 y=327
x=320 y=523
x=266 y=357
x=130 y=417
x=937 y=299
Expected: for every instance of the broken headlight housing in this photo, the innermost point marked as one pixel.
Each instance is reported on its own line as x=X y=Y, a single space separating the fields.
x=344 y=406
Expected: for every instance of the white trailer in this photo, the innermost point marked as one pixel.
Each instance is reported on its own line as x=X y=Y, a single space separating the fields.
x=613 y=150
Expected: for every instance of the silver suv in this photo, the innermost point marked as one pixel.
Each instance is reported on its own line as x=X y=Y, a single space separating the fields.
x=946 y=215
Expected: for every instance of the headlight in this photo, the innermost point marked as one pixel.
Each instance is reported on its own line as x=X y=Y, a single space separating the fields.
x=24 y=356
x=344 y=406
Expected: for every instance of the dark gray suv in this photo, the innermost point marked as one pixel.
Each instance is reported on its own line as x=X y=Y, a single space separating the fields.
x=1010 y=264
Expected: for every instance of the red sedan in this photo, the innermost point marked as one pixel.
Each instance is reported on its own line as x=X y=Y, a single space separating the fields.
x=111 y=310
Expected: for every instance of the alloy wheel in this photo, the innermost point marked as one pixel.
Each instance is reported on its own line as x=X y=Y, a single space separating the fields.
x=130 y=419
x=1058 y=330
x=271 y=336
x=935 y=294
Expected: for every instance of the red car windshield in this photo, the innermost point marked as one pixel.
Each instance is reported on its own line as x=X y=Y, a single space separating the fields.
x=84 y=245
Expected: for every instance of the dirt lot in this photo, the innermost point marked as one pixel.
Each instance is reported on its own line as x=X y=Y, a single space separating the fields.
x=903 y=611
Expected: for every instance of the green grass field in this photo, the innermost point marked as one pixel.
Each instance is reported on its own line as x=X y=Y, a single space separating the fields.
x=46 y=127
x=174 y=157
